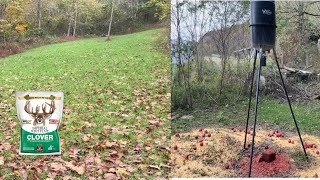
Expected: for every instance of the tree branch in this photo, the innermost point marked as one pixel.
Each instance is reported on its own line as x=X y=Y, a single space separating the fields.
x=311 y=14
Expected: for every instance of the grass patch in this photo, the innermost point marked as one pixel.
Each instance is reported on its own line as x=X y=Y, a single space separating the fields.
x=270 y=111
x=112 y=89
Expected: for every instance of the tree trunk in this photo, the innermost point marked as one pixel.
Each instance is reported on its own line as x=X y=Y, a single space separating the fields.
x=70 y=17
x=282 y=62
x=110 y=23
x=238 y=65
x=222 y=78
x=39 y=13
x=75 y=22
x=318 y=45
x=1 y=11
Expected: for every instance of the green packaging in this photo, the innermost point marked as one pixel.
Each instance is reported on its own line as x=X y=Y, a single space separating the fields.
x=40 y=114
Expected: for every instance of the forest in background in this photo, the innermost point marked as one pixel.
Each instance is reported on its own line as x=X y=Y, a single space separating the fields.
x=25 y=22
x=211 y=51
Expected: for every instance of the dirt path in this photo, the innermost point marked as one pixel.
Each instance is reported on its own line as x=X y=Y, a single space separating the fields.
x=224 y=148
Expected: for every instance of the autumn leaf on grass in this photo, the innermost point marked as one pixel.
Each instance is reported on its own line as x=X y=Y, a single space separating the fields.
x=21 y=173
x=58 y=167
x=67 y=178
x=105 y=144
x=79 y=169
x=67 y=110
x=114 y=157
x=62 y=141
x=73 y=152
x=147 y=148
x=1 y=160
x=123 y=173
x=110 y=176
x=33 y=173
x=154 y=122
x=5 y=146
x=87 y=137
x=154 y=103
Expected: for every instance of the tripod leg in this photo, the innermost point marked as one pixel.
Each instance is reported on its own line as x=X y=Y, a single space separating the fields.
x=285 y=91
x=256 y=112
x=249 y=106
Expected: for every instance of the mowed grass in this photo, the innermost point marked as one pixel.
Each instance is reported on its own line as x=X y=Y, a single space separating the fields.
x=271 y=112
x=115 y=91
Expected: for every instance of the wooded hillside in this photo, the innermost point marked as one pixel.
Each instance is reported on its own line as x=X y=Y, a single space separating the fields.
x=26 y=20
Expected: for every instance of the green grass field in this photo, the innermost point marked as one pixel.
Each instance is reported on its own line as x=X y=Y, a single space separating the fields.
x=271 y=112
x=117 y=100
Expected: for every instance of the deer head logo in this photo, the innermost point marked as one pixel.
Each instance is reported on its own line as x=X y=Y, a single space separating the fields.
x=39 y=118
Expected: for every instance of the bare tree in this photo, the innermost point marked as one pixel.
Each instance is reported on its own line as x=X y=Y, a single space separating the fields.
x=75 y=21
x=300 y=14
x=196 y=27
x=70 y=16
x=39 y=13
x=225 y=15
x=110 y=22
x=182 y=53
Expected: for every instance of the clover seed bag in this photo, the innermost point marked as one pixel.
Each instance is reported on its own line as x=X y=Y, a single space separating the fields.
x=40 y=114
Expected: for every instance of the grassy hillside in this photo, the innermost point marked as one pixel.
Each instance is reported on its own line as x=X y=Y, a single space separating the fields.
x=116 y=104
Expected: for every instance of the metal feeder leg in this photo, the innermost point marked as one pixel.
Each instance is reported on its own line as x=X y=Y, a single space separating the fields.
x=256 y=112
x=285 y=91
x=249 y=106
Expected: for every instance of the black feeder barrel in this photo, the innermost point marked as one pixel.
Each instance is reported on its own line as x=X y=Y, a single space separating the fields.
x=263 y=24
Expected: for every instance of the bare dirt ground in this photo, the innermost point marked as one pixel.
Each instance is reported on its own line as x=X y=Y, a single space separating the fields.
x=221 y=154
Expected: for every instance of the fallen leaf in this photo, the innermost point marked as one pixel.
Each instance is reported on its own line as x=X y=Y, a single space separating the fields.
x=110 y=176
x=67 y=177
x=87 y=137
x=79 y=169
x=6 y=146
x=58 y=167
x=155 y=167
x=1 y=160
